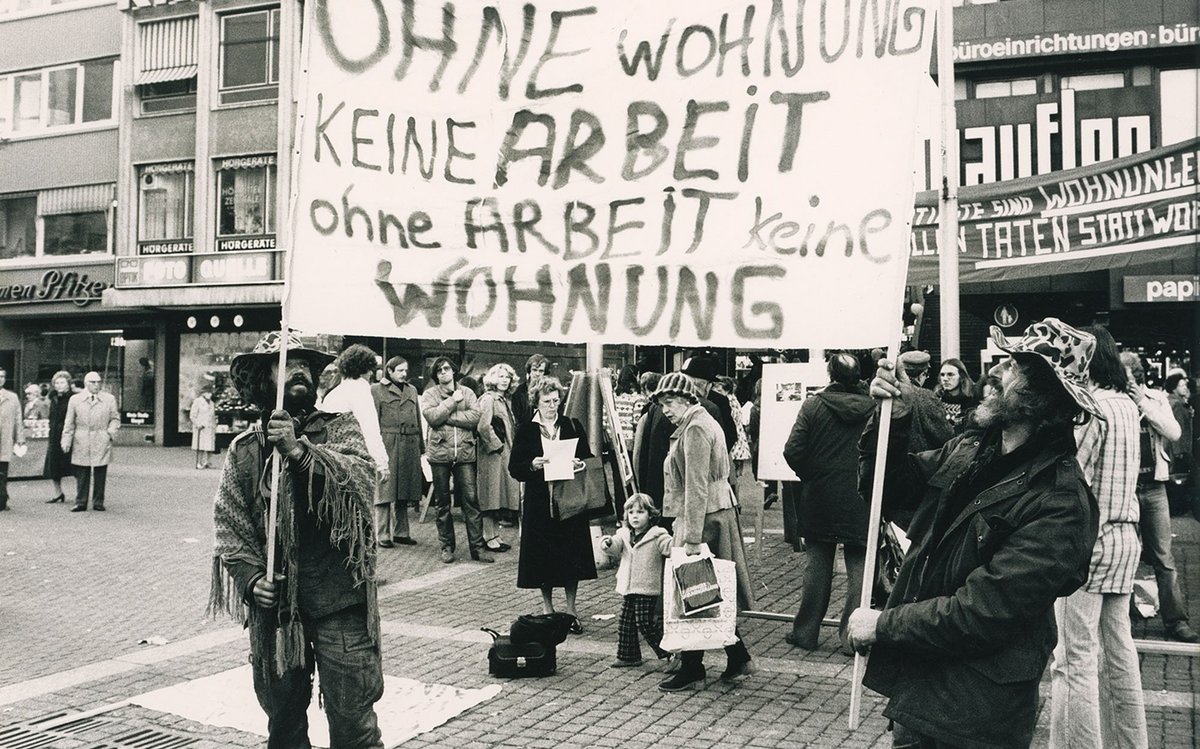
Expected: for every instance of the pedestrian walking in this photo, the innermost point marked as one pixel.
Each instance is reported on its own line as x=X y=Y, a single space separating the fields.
x=641 y=549
x=555 y=553
x=1089 y=705
x=91 y=424
x=453 y=416
x=12 y=433
x=1158 y=430
x=822 y=450
x=399 y=412
x=58 y=461
x=499 y=493
x=319 y=607
x=1002 y=525
x=353 y=395
x=203 y=415
x=698 y=495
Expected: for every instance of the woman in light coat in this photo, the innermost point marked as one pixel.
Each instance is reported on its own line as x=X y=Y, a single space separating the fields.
x=203 y=415
x=498 y=491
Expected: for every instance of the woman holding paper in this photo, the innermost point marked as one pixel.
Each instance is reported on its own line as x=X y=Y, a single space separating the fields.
x=696 y=492
x=554 y=553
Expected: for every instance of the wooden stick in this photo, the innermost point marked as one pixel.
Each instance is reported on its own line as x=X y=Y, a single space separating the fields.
x=868 y=582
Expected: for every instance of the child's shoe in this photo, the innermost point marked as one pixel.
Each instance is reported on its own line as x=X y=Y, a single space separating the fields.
x=618 y=663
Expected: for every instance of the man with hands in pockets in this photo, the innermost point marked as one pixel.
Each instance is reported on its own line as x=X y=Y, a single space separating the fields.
x=1003 y=525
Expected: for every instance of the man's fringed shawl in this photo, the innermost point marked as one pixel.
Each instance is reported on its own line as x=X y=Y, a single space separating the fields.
x=240 y=525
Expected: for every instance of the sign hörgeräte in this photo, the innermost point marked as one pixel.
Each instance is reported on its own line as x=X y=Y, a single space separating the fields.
x=618 y=172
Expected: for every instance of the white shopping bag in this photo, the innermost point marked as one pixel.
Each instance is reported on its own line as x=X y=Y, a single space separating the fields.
x=707 y=630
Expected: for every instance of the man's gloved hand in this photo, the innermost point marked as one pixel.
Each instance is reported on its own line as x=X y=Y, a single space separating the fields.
x=281 y=432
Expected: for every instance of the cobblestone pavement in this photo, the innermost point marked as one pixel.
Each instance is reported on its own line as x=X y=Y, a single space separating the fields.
x=96 y=608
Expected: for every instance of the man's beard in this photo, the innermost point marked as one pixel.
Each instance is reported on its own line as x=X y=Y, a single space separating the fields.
x=999 y=409
x=298 y=403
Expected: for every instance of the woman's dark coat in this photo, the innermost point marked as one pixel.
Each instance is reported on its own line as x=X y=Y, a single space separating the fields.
x=58 y=463
x=554 y=553
x=823 y=451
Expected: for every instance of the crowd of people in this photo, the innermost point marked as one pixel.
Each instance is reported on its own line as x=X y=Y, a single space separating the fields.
x=1028 y=498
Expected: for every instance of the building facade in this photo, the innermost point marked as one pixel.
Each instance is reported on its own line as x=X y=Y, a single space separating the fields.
x=145 y=161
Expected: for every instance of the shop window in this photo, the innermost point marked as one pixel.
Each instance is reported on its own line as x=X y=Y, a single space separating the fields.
x=1093 y=81
x=1001 y=89
x=245 y=199
x=56 y=98
x=137 y=380
x=18 y=227
x=75 y=233
x=249 y=64
x=80 y=352
x=165 y=197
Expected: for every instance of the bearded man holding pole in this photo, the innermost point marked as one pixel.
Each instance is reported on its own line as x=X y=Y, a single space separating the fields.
x=1003 y=525
x=311 y=600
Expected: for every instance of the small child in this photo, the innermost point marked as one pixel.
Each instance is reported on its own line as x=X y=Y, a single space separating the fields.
x=642 y=548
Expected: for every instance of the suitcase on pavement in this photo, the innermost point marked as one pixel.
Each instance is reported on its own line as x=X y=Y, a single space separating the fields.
x=513 y=660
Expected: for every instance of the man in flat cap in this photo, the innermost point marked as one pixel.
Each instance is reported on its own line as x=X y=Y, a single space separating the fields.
x=320 y=604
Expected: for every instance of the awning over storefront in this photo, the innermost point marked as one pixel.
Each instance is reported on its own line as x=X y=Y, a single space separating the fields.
x=168 y=51
x=1130 y=211
x=78 y=199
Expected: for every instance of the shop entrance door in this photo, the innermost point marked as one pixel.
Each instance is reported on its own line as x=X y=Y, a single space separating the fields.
x=8 y=362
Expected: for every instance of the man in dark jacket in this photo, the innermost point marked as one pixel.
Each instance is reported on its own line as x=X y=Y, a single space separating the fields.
x=823 y=451
x=1003 y=525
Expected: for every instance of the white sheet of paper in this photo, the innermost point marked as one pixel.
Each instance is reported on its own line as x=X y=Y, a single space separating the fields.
x=561 y=454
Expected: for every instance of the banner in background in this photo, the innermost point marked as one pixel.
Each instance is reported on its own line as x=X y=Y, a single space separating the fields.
x=624 y=172
x=1138 y=209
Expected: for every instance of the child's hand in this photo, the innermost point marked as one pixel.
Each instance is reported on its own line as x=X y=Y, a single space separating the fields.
x=606 y=542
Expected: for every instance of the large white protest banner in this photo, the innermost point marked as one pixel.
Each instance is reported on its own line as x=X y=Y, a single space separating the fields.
x=685 y=171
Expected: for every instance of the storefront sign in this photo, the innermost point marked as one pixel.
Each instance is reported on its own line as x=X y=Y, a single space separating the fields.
x=173 y=167
x=55 y=285
x=1073 y=43
x=137 y=418
x=250 y=267
x=247 y=162
x=181 y=247
x=1162 y=288
x=1092 y=218
x=153 y=271
x=618 y=172
x=237 y=244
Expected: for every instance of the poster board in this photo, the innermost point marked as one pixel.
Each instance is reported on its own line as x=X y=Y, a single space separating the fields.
x=784 y=389
x=616 y=437
x=608 y=173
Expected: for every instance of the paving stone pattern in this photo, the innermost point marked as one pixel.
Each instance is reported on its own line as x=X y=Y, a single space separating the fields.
x=81 y=589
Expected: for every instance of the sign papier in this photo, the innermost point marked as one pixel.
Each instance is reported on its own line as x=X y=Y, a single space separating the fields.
x=623 y=172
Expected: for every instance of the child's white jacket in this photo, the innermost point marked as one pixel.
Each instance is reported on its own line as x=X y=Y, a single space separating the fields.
x=641 y=568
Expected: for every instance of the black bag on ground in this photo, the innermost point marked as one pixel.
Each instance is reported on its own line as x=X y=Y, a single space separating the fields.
x=548 y=630
x=516 y=660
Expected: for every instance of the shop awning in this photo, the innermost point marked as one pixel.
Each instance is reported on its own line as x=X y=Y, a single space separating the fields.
x=168 y=51
x=79 y=199
x=1129 y=211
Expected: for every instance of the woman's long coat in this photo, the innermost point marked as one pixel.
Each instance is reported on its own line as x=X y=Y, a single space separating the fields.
x=496 y=489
